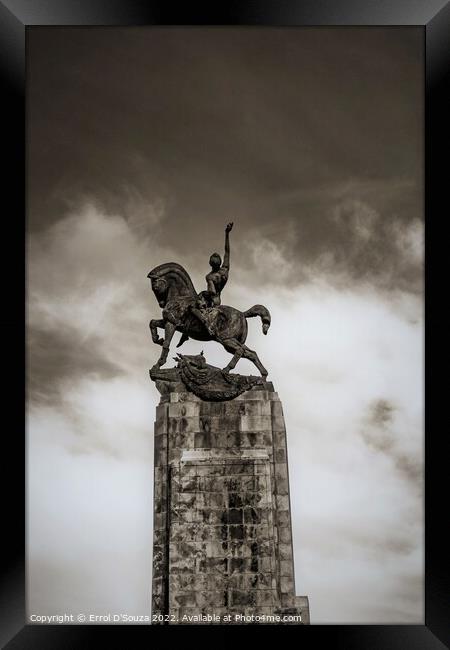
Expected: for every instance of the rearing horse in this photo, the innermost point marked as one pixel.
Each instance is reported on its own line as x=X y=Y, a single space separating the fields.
x=176 y=294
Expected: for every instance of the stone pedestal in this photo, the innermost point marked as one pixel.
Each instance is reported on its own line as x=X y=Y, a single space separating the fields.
x=222 y=541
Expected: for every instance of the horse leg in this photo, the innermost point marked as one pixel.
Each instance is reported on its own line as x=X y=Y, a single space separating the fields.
x=252 y=356
x=169 y=331
x=154 y=324
x=236 y=349
x=240 y=350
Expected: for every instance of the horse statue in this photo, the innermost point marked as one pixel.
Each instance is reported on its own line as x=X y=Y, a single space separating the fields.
x=177 y=297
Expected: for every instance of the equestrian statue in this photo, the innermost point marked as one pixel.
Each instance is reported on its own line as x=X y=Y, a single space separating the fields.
x=201 y=316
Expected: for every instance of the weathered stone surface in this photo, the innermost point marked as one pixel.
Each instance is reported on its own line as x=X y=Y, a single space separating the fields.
x=222 y=527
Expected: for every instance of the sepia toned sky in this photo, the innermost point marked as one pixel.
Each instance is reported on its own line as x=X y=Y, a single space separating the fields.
x=142 y=144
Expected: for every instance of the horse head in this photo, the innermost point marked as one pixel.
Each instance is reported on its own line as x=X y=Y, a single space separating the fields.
x=160 y=287
x=171 y=281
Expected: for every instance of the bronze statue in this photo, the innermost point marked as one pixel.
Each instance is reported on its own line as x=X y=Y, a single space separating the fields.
x=202 y=316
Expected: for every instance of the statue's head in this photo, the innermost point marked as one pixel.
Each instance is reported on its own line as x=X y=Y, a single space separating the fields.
x=215 y=261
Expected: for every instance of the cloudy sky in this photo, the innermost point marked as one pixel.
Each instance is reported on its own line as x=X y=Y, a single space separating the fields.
x=142 y=145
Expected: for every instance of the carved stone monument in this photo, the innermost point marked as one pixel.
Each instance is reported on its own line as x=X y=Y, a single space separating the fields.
x=222 y=541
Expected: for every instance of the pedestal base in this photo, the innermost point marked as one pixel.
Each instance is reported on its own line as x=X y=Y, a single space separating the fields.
x=222 y=548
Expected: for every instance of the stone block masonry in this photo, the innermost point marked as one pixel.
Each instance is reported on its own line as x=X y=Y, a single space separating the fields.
x=222 y=541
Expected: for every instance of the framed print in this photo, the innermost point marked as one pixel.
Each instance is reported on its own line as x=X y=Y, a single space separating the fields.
x=231 y=396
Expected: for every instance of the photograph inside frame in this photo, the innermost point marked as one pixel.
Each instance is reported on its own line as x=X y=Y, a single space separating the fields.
x=225 y=325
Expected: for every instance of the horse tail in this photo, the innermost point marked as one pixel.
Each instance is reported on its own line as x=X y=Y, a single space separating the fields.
x=262 y=312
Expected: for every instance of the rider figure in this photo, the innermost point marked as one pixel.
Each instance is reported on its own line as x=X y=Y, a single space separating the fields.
x=207 y=301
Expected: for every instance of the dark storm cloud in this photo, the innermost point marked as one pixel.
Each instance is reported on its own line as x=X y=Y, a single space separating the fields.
x=59 y=356
x=87 y=299
x=380 y=434
x=377 y=433
x=380 y=413
x=411 y=468
x=294 y=134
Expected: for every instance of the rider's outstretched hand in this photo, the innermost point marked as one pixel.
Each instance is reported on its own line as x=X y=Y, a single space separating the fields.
x=229 y=226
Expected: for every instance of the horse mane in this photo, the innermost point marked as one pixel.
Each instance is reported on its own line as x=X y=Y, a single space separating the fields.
x=173 y=268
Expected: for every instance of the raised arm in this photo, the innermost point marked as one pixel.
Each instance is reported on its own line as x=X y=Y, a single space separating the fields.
x=226 y=258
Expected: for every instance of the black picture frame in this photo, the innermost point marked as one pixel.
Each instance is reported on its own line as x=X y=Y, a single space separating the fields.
x=15 y=17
